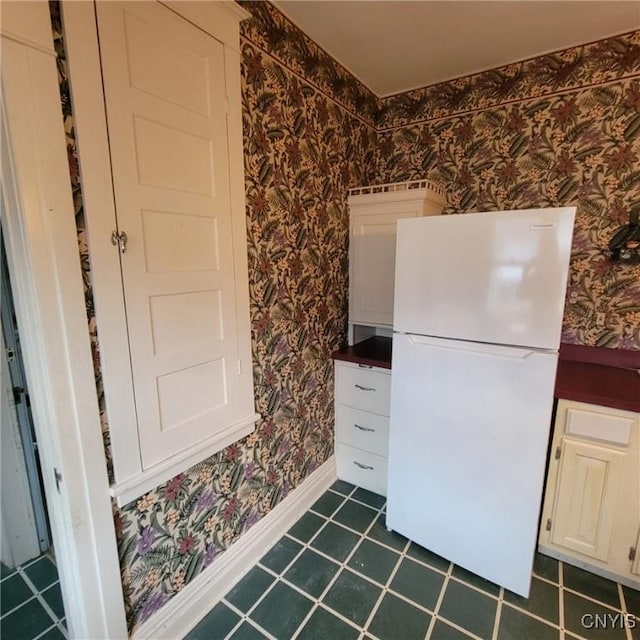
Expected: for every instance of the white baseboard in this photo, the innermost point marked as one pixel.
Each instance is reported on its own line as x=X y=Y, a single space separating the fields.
x=189 y=606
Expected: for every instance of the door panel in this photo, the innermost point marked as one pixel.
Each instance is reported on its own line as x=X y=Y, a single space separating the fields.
x=166 y=111
x=495 y=277
x=467 y=447
x=373 y=272
x=589 y=480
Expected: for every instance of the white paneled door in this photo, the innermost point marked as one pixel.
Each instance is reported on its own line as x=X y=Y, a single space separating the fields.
x=164 y=84
x=590 y=477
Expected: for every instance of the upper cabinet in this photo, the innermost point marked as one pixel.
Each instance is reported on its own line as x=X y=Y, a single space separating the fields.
x=373 y=214
x=169 y=255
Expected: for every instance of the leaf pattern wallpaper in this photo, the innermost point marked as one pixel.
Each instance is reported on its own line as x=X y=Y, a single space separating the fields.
x=527 y=135
x=303 y=150
x=556 y=130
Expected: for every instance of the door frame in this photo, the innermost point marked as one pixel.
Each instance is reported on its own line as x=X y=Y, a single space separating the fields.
x=42 y=254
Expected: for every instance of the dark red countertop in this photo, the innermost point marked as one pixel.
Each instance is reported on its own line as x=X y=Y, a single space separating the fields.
x=606 y=377
x=374 y=352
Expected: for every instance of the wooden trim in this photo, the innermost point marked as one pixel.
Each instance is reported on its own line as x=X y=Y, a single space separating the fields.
x=94 y=160
x=189 y=606
x=26 y=23
x=620 y=358
x=85 y=81
x=219 y=19
x=42 y=251
x=125 y=492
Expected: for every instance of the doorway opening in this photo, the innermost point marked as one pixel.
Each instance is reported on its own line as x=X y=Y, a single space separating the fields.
x=28 y=561
x=22 y=408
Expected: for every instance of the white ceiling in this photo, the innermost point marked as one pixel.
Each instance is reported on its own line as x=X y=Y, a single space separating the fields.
x=398 y=45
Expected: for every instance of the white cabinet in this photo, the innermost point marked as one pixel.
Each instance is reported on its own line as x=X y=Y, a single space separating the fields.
x=591 y=512
x=362 y=402
x=168 y=244
x=373 y=214
x=363 y=392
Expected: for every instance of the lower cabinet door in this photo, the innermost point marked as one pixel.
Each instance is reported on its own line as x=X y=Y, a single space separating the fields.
x=362 y=468
x=589 y=481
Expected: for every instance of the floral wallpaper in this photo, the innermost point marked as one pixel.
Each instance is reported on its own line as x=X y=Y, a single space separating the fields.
x=583 y=66
x=542 y=141
x=303 y=149
x=270 y=31
x=514 y=137
x=76 y=189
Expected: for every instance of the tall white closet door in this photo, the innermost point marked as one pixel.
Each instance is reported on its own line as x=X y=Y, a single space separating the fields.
x=164 y=84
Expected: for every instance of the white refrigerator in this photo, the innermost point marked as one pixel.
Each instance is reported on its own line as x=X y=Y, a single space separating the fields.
x=478 y=311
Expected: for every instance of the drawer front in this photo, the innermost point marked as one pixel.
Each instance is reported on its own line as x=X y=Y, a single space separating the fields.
x=361 y=429
x=363 y=388
x=364 y=469
x=601 y=426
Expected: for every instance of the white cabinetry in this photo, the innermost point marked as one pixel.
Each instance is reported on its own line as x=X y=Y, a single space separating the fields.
x=164 y=201
x=363 y=398
x=363 y=391
x=591 y=512
x=373 y=214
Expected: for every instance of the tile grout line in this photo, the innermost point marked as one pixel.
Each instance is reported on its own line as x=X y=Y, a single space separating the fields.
x=40 y=635
x=385 y=589
x=245 y=616
x=496 y=620
x=586 y=596
x=343 y=565
x=402 y=553
x=40 y=597
x=448 y=577
x=623 y=606
x=436 y=609
x=530 y=614
x=8 y=613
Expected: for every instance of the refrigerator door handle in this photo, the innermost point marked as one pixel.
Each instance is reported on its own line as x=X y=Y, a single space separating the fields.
x=514 y=353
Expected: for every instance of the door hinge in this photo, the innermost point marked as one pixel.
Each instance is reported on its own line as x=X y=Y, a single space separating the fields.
x=632 y=553
x=11 y=354
x=17 y=394
x=558 y=452
x=548 y=525
x=120 y=239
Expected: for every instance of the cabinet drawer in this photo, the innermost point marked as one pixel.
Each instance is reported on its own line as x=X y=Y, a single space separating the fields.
x=607 y=427
x=362 y=429
x=363 y=388
x=364 y=469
